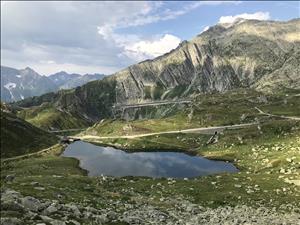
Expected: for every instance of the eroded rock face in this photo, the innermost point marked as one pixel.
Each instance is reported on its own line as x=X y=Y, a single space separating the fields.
x=247 y=54
x=263 y=55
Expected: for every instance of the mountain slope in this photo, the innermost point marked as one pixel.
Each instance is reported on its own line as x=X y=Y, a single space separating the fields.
x=225 y=57
x=65 y=80
x=20 y=84
x=19 y=137
x=263 y=55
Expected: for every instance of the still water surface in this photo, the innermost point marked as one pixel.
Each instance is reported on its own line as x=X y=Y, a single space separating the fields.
x=109 y=161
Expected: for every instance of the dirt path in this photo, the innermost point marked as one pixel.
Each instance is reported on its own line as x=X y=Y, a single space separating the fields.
x=278 y=116
x=202 y=130
x=29 y=154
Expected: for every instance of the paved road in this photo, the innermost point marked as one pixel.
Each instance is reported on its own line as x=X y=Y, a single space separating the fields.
x=152 y=104
x=69 y=130
x=202 y=130
x=278 y=116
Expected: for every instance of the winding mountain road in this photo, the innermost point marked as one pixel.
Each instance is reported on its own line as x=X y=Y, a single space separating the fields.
x=200 y=130
x=29 y=154
x=154 y=103
x=278 y=116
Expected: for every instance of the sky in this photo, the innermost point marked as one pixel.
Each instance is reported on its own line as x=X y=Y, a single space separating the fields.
x=104 y=37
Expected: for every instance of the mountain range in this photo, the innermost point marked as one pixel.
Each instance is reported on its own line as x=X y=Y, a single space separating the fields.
x=20 y=84
x=260 y=55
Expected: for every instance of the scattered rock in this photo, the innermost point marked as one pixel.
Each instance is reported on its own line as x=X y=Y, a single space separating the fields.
x=34 y=183
x=50 y=210
x=31 y=203
x=9 y=178
x=10 y=221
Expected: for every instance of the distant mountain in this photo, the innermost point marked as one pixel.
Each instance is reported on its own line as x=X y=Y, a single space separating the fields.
x=20 y=84
x=66 y=81
x=261 y=55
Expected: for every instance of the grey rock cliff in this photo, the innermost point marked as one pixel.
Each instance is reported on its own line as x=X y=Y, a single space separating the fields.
x=249 y=53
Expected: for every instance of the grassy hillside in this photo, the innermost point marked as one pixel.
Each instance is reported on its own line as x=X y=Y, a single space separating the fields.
x=232 y=107
x=266 y=155
x=19 y=137
x=48 y=117
x=67 y=109
x=263 y=55
x=268 y=163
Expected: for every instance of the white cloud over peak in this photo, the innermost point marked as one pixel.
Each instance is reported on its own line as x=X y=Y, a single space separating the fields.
x=152 y=48
x=139 y=48
x=248 y=16
x=86 y=34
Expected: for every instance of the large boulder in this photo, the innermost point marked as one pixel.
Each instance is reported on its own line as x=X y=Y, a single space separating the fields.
x=32 y=203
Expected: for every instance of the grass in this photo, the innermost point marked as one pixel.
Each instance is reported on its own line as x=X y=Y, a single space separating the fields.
x=48 y=118
x=19 y=137
x=233 y=107
x=267 y=156
x=260 y=182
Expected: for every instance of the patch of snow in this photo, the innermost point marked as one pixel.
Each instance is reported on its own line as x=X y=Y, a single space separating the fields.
x=18 y=76
x=205 y=29
x=10 y=85
x=22 y=97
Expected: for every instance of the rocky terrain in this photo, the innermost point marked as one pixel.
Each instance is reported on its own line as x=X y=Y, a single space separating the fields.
x=30 y=210
x=262 y=55
x=20 y=84
x=246 y=54
x=229 y=74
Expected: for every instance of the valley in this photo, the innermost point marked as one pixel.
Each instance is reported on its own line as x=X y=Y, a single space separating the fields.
x=265 y=150
x=208 y=133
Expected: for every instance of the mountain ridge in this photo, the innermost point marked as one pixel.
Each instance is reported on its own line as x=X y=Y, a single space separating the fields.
x=18 y=84
x=261 y=55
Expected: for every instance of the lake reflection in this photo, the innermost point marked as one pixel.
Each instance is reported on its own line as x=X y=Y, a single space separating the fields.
x=113 y=162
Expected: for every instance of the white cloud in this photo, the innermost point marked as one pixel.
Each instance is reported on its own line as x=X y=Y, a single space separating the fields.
x=152 y=48
x=85 y=34
x=248 y=16
x=64 y=32
x=138 y=48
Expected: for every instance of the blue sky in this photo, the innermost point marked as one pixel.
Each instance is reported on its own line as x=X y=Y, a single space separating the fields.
x=104 y=37
x=192 y=23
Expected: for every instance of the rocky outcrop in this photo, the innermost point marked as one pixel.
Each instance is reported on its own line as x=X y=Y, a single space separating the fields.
x=246 y=54
x=17 y=209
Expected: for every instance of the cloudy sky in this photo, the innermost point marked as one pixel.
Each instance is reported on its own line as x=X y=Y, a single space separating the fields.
x=104 y=37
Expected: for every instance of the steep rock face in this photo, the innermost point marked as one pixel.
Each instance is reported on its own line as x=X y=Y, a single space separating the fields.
x=263 y=55
x=245 y=54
